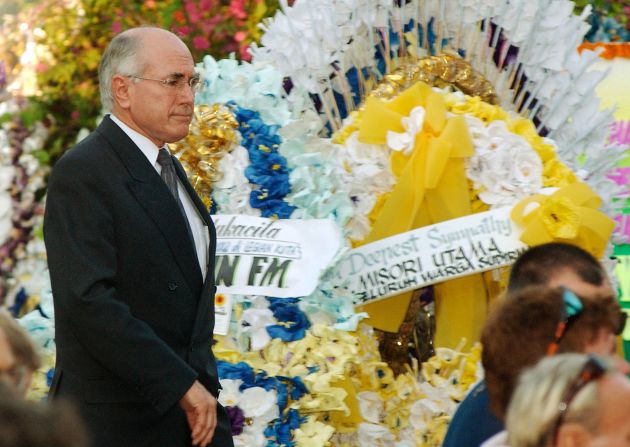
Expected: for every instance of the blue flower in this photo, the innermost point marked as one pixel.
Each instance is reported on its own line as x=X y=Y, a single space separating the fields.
x=268 y=168
x=286 y=311
x=298 y=389
x=279 y=433
x=49 y=376
x=241 y=370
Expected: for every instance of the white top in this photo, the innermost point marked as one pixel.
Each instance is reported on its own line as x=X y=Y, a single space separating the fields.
x=197 y=226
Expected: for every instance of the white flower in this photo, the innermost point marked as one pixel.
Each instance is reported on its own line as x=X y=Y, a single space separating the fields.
x=230 y=395
x=259 y=404
x=232 y=166
x=254 y=322
x=371 y=406
x=231 y=193
x=373 y=435
x=406 y=141
x=422 y=412
x=256 y=403
x=504 y=167
x=7 y=173
x=5 y=217
x=252 y=436
x=366 y=176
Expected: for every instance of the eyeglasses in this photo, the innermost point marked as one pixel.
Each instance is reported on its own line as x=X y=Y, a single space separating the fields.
x=571 y=307
x=175 y=82
x=592 y=370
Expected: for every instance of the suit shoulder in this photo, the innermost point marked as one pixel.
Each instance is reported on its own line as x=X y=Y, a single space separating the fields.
x=88 y=157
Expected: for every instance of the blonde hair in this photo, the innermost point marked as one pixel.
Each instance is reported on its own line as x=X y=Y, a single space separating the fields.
x=534 y=408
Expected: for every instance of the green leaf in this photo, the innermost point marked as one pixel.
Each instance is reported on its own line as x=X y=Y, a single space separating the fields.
x=42 y=156
x=33 y=113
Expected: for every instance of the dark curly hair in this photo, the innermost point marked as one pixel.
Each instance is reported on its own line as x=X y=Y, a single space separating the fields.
x=521 y=327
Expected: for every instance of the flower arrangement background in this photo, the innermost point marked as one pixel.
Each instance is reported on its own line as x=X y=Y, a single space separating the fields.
x=51 y=49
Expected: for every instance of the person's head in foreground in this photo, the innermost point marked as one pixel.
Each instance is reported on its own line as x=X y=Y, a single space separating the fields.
x=22 y=350
x=539 y=321
x=570 y=400
x=558 y=264
x=38 y=424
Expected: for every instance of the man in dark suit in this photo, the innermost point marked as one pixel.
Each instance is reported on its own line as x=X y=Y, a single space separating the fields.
x=131 y=256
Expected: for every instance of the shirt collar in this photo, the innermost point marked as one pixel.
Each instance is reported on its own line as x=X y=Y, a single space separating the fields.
x=146 y=146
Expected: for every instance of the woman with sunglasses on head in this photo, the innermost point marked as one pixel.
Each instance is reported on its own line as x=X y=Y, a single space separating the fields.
x=537 y=322
x=570 y=400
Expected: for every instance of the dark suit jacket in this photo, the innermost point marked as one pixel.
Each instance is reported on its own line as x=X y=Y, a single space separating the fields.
x=133 y=317
x=473 y=423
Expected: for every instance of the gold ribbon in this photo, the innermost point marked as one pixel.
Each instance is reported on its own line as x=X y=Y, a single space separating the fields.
x=431 y=185
x=568 y=215
x=213 y=133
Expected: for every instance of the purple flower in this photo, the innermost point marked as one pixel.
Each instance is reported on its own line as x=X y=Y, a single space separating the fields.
x=237 y=419
x=3 y=75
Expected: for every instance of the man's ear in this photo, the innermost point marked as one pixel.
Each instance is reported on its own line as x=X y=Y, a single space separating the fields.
x=572 y=434
x=120 y=90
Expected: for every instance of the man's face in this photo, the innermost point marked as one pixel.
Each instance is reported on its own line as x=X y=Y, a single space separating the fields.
x=614 y=420
x=161 y=113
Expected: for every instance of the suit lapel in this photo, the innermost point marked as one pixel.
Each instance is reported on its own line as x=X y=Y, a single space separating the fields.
x=156 y=199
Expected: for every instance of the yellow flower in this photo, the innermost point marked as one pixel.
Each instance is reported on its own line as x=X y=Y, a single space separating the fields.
x=561 y=217
x=223 y=350
x=436 y=431
x=313 y=433
x=524 y=128
x=482 y=110
x=396 y=414
x=557 y=174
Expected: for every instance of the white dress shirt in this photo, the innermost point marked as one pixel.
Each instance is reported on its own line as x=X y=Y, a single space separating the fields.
x=199 y=229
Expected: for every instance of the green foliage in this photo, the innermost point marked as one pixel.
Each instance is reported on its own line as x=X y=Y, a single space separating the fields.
x=72 y=35
x=32 y=113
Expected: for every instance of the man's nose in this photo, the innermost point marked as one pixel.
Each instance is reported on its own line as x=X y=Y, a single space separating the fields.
x=187 y=94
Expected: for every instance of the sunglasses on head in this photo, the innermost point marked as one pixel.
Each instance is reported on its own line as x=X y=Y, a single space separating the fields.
x=592 y=370
x=571 y=307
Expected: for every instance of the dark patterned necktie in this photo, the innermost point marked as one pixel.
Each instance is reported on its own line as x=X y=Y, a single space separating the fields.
x=170 y=178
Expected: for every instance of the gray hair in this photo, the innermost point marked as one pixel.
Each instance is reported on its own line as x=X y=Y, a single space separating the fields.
x=120 y=57
x=534 y=407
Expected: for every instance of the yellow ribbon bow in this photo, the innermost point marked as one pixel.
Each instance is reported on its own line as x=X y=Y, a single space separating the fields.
x=432 y=187
x=434 y=170
x=568 y=215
